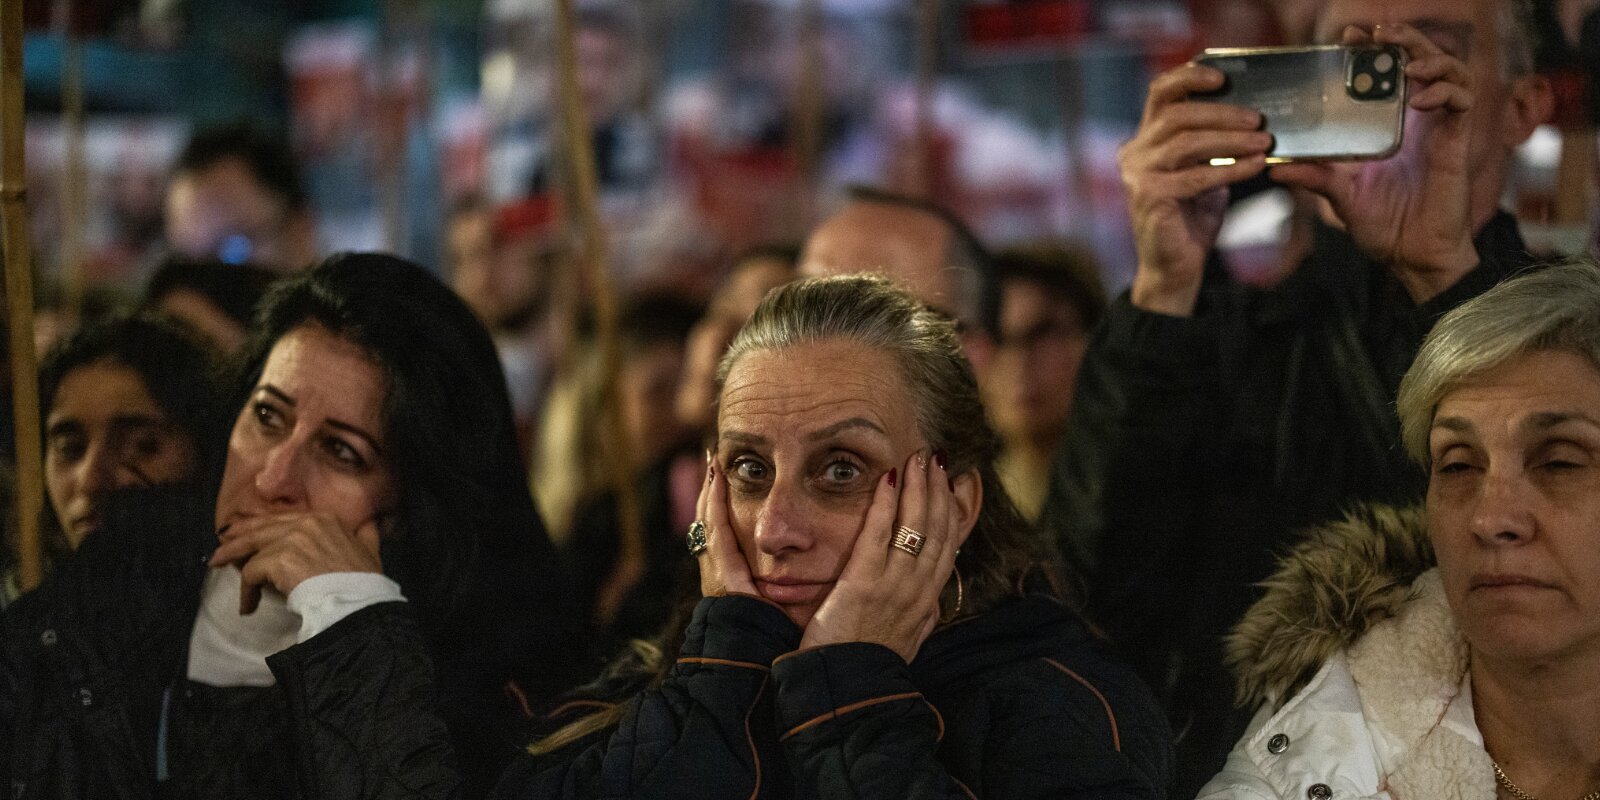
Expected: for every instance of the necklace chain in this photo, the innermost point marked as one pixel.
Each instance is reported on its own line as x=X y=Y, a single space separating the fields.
x=1516 y=791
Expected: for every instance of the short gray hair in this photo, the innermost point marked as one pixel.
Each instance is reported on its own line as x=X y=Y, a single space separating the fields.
x=1555 y=308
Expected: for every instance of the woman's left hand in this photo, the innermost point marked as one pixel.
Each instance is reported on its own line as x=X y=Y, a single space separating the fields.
x=886 y=595
x=282 y=550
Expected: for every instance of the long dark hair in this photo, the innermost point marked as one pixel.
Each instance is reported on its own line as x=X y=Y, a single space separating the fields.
x=464 y=539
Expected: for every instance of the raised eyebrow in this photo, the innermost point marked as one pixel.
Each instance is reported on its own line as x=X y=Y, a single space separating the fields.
x=63 y=427
x=843 y=425
x=742 y=438
x=277 y=393
x=1550 y=419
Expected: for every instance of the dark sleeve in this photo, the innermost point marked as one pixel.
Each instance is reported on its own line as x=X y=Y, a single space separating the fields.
x=691 y=736
x=363 y=710
x=854 y=725
x=1129 y=480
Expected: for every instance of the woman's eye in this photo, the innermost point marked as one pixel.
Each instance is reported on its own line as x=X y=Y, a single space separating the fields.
x=344 y=453
x=267 y=416
x=748 y=469
x=842 y=472
x=68 y=448
x=148 y=446
x=1451 y=467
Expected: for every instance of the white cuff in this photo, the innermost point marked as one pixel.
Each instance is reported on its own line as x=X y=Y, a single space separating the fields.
x=322 y=600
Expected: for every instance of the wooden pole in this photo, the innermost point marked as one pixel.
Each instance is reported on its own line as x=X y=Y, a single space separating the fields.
x=808 y=111
x=19 y=295
x=593 y=259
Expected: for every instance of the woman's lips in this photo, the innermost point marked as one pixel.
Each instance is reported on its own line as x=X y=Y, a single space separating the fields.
x=791 y=592
x=1507 y=581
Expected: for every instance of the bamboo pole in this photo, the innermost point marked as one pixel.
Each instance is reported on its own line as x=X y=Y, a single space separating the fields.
x=808 y=108
x=593 y=258
x=19 y=294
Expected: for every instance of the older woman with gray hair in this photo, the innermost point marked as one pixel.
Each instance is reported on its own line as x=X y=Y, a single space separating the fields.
x=1451 y=651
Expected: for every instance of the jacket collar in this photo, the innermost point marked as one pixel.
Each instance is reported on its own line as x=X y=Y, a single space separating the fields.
x=1032 y=627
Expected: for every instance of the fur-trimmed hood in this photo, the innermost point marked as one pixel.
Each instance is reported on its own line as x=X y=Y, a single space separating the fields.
x=1340 y=580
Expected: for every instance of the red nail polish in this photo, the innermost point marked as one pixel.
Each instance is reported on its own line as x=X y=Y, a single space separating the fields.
x=892 y=474
x=940 y=459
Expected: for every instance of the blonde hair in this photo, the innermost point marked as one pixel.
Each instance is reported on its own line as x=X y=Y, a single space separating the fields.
x=1555 y=308
x=1003 y=549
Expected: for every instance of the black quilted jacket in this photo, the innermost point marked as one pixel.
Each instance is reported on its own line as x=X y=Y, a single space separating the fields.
x=89 y=661
x=1018 y=703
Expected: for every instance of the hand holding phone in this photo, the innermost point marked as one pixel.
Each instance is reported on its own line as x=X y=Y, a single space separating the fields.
x=1326 y=103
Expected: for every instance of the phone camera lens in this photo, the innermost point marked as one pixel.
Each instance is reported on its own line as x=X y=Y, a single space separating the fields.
x=1372 y=75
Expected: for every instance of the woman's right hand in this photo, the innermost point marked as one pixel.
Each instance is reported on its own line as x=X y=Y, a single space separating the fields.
x=723 y=569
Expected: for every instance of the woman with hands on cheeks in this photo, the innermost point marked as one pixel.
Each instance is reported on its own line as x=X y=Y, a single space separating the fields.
x=372 y=558
x=872 y=623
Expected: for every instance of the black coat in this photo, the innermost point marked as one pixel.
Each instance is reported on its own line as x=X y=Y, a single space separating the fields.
x=92 y=682
x=1198 y=447
x=1017 y=703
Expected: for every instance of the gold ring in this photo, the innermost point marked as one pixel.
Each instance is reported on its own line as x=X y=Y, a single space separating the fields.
x=908 y=539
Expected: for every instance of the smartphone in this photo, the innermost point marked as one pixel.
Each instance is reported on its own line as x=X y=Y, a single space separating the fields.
x=1324 y=103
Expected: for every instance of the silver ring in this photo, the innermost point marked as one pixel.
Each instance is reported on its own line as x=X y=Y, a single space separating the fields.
x=696 y=538
x=908 y=539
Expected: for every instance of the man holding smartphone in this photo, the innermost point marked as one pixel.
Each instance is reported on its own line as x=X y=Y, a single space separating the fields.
x=1211 y=425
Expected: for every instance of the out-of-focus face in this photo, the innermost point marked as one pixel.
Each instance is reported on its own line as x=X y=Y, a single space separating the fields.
x=1514 y=507
x=104 y=432
x=469 y=246
x=803 y=435
x=222 y=213
x=607 y=74
x=1028 y=386
x=647 y=385
x=1471 y=31
x=732 y=306
x=310 y=438
x=199 y=312
x=909 y=246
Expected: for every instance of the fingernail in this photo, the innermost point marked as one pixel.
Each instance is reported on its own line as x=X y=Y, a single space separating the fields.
x=940 y=458
x=892 y=474
x=922 y=462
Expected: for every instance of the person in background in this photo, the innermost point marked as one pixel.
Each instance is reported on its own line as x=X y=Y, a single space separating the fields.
x=1211 y=424
x=918 y=243
x=1050 y=298
x=213 y=298
x=874 y=620
x=660 y=450
x=236 y=197
x=752 y=275
x=372 y=548
x=501 y=262
x=1450 y=650
x=127 y=402
x=610 y=74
